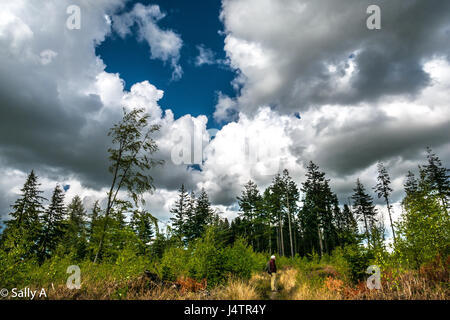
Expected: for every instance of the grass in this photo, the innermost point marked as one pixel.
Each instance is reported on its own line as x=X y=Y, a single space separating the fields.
x=299 y=281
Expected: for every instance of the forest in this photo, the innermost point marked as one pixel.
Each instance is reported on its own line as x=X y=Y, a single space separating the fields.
x=323 y=247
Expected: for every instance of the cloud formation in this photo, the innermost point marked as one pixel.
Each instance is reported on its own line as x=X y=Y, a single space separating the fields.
x=362 y=95
x=164 y=44
x=294 y=55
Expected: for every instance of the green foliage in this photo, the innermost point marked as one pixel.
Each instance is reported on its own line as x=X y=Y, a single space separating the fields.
x=424 y=229
x=358 y=259
x=240 y=259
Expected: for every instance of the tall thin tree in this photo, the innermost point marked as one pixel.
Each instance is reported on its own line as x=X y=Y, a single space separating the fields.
x=130 y=160
x=384 y=190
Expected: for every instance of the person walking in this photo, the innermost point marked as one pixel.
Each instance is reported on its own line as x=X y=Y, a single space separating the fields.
x=272 y=270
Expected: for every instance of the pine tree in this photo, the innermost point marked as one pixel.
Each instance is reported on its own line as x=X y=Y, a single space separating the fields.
x=316 y=215
x=24 y=227
x=53 y=224
x=410 y=184
x=438 y=177
x=190 y=227
x=384 y=190
x=179 y=211
x=94 y=218
x=290 y=199
x=143 y=224
x=76 y=232
x=250 y=210
x=203 y=215
x=351 y=225
x=364 y=208
x=277 y=190
x=29 y=206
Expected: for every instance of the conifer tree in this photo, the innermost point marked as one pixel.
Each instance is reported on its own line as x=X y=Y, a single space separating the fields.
x=438 y=177
x=203 y=214
x=384 y=191
x=53 y=224
x=143 y=224
x=316 y=214
x=76 y=231
x=179 y=210
x=410 y=184
x=28 y=207
x=250 y=210
x=24 y=227
x=364 y=208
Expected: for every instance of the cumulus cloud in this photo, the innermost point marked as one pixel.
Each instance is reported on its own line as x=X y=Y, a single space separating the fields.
x=58 y=102
x=295 y=55
x=164 y=44
x=205 y=56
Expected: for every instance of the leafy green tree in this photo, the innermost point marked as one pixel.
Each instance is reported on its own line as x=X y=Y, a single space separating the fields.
x=384 y=191
x=130 y=160
x=424 y=227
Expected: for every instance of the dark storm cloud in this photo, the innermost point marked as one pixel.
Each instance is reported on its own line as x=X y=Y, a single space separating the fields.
x=348 y=152
x=304 y=41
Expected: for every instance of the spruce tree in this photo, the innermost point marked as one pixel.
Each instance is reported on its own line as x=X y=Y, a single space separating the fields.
x=76 y=232
x=179 y=211
x=24 y=227
x=190 y=227
x=364 y=208
x=250 y=209
x=384 y=191
x=143 y=224
x=410 y=184
x=28 y=207
x=53 y=224
x=438 y=177
x=316 y=214
x=203 y=215
x=290 y=198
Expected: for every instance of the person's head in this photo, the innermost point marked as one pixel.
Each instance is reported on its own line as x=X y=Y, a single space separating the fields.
x=272 y=257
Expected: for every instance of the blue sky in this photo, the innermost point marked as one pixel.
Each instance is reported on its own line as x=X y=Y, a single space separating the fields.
x=197 y=23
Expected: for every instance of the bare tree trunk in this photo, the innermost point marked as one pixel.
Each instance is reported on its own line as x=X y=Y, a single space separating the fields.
x=281 y=234
x=270 y=238
x=290 y=227
x=320 y=240
x=390 y=218
x=367 y=230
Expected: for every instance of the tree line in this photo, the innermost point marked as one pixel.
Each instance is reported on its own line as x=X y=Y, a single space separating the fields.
x=277 y=220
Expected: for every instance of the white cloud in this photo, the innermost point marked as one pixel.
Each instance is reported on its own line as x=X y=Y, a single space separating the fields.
x=205 y=56
x=164 y=44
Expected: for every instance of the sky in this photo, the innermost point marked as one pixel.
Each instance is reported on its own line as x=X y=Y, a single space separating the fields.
x=276 y=83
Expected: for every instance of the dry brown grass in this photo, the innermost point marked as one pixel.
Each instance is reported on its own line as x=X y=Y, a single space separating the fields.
x=288 y=279
x=430 y=282
x=237 y=289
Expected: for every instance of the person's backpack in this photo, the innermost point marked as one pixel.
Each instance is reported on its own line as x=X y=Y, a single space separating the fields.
x=267 y=269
